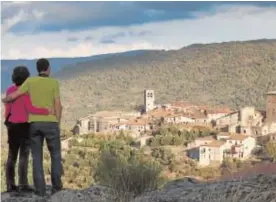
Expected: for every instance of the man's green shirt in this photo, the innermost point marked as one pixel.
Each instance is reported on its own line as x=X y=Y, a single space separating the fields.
x=43 y=91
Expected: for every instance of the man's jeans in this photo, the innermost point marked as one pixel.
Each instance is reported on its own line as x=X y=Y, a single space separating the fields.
x=51 y=132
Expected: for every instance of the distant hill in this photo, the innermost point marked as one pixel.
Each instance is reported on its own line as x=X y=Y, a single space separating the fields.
x=234 y=74
x=56 y=63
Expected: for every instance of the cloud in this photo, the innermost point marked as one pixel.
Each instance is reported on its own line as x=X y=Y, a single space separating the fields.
x=57 y=16
x=9 y=23
x=107 y=41
x=223 y=23
x=49 y=16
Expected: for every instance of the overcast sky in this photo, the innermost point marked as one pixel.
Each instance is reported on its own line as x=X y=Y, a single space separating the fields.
x=72 y=29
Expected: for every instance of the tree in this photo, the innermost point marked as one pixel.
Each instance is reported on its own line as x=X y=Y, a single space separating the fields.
x=270 y=149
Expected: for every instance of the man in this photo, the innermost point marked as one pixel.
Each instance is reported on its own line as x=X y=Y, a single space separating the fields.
x=44 y=92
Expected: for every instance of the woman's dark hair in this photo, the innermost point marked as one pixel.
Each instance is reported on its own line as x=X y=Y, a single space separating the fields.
x=20 y=74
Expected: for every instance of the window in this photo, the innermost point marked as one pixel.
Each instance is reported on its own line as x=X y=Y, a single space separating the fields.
x=150 y=95
x=89 y=125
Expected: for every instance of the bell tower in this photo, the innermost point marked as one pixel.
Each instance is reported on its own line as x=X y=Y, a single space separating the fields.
x=149 y=100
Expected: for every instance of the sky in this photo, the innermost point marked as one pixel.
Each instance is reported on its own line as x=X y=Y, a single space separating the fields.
x=32 y=30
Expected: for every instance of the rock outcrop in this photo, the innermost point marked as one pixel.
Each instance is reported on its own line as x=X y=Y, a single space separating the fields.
x=260 y=188
x=256 y=189
x=91 y=194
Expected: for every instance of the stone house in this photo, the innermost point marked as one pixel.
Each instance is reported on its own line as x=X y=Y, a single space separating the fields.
x=229 y=119
x=209 y=150
x=118 y=127
x=139 y=125
x=134 y=126
x=238 y=145
x=200 y=141
x=103 y=121
x=209 y=153
x=247 y=120
x=251 y=121
x=178 y=118
x=201 y=119
x=84 y=126
x=272 y=136
x=214 y=114
x=268 y=128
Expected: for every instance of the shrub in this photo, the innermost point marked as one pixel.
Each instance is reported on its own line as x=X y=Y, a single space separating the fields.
x=127 y=175
x=163 y=155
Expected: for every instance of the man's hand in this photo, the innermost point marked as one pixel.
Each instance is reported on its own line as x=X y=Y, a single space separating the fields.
x=6 y=99
x=51 y=111
x=11 y=97
x=58 y=109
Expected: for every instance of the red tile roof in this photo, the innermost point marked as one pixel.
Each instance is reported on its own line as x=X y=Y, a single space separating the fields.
x=214 y=143
x=181 y=104
x=221 y=110
x=138 y=122
x=160 y=112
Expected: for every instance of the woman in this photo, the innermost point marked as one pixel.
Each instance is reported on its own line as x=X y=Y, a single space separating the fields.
x=16 y=115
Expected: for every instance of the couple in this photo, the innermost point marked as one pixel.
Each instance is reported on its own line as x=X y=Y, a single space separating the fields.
x=33 y=112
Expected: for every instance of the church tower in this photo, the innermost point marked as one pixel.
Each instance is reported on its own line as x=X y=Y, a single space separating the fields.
x=149 y=100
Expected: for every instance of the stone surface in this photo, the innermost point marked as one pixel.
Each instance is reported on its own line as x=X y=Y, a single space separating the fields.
x=259 y=188
x=91 y=194
x=255 y=189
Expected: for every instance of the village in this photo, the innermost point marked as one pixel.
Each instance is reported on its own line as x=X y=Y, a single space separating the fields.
x=237 y=130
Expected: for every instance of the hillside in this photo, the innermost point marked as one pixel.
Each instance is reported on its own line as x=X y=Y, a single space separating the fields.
x=234 y=74
x=56 y=64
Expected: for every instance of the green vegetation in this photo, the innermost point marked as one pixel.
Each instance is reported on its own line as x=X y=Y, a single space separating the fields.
x=111 y=160
x=235 y=74
x=65 y=134
x=173 y=136
x=127 y=171
x=94 y=141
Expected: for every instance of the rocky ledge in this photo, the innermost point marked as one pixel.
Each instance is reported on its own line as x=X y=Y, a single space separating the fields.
x=259 y=188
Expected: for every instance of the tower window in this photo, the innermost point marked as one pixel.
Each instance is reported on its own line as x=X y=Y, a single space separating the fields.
x=150 y=95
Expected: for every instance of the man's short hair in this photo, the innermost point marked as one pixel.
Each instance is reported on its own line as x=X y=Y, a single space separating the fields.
x=20 y=74
x=42 y=65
